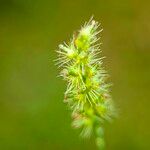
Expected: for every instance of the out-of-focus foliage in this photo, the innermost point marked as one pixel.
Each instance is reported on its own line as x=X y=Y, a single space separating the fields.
x=32 y=115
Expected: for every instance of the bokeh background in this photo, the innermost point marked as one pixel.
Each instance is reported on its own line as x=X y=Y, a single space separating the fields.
x=32 y=113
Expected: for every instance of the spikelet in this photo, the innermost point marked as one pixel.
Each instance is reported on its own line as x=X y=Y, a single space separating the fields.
x=87 y=93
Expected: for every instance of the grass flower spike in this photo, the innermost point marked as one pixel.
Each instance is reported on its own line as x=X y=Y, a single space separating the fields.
x=87 y=93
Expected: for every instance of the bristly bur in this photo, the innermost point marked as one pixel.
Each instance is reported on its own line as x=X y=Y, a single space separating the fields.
x=87 y=92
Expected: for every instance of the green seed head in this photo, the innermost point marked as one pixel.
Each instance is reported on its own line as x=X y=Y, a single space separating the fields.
x=87 y=93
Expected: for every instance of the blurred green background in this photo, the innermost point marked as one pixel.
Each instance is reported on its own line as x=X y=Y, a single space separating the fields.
x=32 y=113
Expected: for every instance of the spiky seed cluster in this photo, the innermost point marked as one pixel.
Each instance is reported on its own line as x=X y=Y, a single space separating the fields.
x=87 y=93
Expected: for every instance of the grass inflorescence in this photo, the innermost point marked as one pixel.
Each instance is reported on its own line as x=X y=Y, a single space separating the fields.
x=87 y=93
